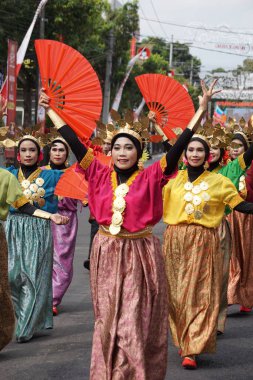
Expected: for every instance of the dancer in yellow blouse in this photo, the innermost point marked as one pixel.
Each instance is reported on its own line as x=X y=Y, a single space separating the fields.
x=194 y=204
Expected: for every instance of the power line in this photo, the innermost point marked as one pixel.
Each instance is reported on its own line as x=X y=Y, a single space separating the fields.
x=197 y=27
x=202 y=48
x=152 y=30
x=222 y=52
x=187 y=42
x=161 y=26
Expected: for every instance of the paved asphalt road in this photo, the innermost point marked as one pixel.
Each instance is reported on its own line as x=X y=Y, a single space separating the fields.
x=64 y=352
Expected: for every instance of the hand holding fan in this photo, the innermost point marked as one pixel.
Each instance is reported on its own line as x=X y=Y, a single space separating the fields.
x=168 y=99
x=72 y=85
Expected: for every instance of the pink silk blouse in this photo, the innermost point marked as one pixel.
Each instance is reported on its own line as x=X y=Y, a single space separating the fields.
x=144 y=206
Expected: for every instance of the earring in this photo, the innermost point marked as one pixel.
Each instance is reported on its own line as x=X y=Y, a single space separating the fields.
x=185 y=161
x=140 y=164
x=18 y=157
x=206 y=165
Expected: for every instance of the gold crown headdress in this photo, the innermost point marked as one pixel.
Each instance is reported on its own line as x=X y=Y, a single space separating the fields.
x=57 y=137
x=222 y=136
x=104 y=132
x=12 y=136
x=216 y=134
x=137 y=129
x=202 y=137
x=27 y=137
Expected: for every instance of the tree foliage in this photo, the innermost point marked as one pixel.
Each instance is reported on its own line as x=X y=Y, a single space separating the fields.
x=82 y=24
x=85 y=25
x=158 y=62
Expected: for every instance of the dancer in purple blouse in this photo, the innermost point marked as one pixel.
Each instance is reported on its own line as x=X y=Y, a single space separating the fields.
x=64 y=238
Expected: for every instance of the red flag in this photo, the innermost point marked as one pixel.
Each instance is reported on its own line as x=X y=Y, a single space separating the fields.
x=24 y=45
x=12 y=81
x=133 y=47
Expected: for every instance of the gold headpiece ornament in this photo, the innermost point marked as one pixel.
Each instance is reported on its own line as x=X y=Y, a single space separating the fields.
x=27 y=137
x=217 y=135
x=11 y=136
x=242 y=128
x=201 y=137
x=58 y=138
x=222 y=136
x=104 y=133
x=138 y=129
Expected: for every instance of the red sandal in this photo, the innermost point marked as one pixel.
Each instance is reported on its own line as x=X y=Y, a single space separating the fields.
x=245 y=309
x=189 y=362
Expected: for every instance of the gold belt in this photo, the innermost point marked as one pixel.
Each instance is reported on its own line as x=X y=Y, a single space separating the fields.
x=124 y=234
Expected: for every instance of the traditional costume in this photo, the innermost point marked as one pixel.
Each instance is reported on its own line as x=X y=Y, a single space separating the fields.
x=10 y=194
x=240 y=286
x=30 y=251
x=192 y=251
x=64 y=238
x=128 y=280
x=220 y=138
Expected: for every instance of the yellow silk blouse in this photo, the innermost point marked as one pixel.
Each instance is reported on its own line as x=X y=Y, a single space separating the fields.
x=10 y=193
x=201 y=202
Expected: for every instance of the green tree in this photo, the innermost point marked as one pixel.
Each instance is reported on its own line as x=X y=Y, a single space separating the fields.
x=159 y=63
x=218 y=70
x=247 y=65
x=82 y=24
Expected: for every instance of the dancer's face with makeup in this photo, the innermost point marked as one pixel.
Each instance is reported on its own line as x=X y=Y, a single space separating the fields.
x=124 y=153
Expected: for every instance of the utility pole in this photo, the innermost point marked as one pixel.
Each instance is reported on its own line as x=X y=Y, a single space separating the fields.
x=171 y=52
x=108 y=72
x=191 y=72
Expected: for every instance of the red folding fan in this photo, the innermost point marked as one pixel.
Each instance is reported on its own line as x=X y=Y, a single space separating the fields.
x=72 y=85
x=73 y=184
x=169 y=100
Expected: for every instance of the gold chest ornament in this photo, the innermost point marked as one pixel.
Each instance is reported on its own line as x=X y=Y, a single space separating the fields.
x=119 y=205
x=196 y=196
x=34 y=191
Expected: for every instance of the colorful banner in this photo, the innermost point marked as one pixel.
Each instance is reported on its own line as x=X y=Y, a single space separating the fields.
x=234 y=104
x=11 y=81
x=138 y=110
x=133 y=47
x=24 y=45
x=117 y=99
x=219 y=116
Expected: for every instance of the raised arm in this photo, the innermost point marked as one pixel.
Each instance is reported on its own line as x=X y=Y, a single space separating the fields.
x=67 y=133
x=175 y=152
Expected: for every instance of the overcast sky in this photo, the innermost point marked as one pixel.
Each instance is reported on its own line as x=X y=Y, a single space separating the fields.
x=233 y=18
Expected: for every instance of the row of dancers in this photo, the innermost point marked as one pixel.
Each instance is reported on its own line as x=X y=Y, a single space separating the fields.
x=138 y=290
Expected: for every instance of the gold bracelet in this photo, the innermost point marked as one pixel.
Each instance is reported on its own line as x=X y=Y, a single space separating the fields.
x=56 y=119
x=42 y=214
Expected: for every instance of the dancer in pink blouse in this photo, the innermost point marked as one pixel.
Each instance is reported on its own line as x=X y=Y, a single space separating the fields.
x=128 y=280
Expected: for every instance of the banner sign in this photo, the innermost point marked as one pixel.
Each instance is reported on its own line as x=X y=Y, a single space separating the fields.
x=133 y=47
x=11 y=81
x=235 y=104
